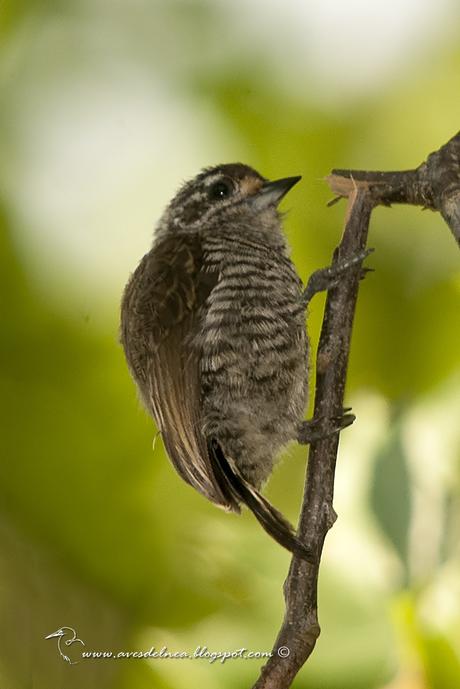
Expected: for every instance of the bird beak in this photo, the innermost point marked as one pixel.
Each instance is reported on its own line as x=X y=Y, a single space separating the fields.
x=51 y=636
x=271 y=193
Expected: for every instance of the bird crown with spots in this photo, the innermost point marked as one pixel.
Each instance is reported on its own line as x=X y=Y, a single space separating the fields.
x=225 y=189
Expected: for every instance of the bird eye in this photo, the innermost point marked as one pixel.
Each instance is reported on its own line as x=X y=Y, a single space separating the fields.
x=220 y=190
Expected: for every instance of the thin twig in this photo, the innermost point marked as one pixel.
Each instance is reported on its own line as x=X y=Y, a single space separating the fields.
x=434 y=184
x=300 y=628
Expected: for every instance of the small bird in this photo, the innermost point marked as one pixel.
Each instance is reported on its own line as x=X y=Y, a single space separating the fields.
x=213 y=329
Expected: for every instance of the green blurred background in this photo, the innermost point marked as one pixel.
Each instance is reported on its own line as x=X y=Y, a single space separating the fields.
x=105 y=107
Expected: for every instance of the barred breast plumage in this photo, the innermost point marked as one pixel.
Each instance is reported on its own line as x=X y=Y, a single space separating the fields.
x=253 y=351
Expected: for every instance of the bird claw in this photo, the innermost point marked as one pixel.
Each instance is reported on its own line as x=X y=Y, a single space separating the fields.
x=323 y=427
x=365 y=271
x=329 y=277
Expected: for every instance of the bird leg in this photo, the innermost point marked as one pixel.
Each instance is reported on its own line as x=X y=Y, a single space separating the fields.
x=326 y=278
x=315 y=429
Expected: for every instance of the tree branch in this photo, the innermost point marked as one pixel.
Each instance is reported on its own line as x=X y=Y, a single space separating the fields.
x=435 y=184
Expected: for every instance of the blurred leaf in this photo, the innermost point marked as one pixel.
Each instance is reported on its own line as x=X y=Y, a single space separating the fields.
x=390 y=496
x=442 y=664
x=451 y=530
x=429 y=653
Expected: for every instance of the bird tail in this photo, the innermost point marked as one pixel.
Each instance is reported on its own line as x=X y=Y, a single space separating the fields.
x=274 y=523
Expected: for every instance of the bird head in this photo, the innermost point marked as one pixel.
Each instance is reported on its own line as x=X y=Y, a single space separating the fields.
x=223 y=194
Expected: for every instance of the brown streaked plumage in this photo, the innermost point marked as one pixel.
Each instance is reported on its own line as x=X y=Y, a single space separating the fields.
x=213 y=328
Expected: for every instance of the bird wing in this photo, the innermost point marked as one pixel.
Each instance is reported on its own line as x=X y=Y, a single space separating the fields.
x=160 y=313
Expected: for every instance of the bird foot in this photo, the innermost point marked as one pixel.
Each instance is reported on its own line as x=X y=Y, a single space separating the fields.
x=326 y=278
x=323 y=427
